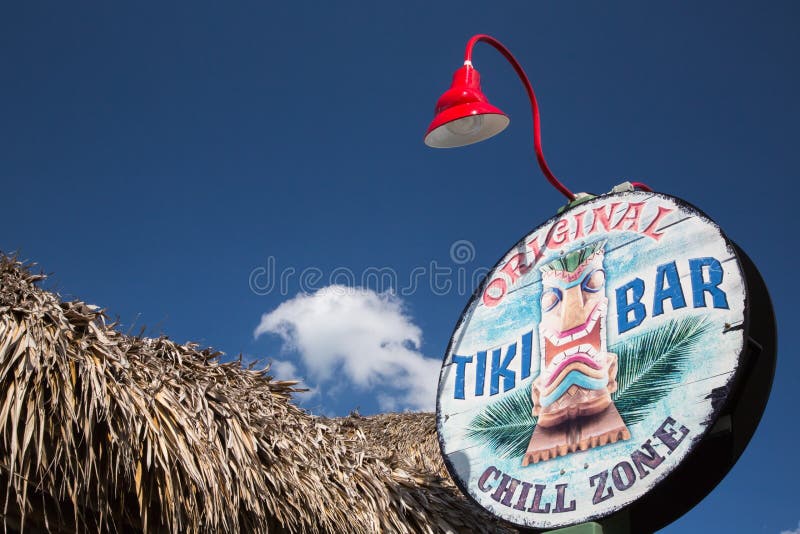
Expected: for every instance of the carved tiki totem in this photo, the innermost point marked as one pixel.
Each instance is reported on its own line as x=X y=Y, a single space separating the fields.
x=572 y=394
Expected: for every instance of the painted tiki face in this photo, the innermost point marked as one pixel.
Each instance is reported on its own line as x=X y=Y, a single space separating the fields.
x=574 y=306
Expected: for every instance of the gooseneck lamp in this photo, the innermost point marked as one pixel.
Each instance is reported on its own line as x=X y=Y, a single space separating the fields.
x=464 y=115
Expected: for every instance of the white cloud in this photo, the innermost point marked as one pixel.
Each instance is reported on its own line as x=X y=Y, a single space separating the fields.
x=283 y=370
x=362 y=335
x=795 y=531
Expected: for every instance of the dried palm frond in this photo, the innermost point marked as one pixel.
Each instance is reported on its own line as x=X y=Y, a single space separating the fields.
x=102 y=431
x=407 y=439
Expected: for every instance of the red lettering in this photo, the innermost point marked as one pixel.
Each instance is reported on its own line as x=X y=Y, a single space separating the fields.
x=516 y=267
x=562 y=233
x=559 y=235
x=499 y=284
x=579 y=224
x=631 y=216
x=603 y=216
x=535 y=248
x=650 y=231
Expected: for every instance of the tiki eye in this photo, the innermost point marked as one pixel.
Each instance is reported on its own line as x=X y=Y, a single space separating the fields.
x=594 y=281
x=550 y=298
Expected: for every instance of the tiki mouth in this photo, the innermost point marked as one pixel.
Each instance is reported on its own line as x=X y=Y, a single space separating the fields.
x=589 y=346
x=566 y=336
x=583 y=354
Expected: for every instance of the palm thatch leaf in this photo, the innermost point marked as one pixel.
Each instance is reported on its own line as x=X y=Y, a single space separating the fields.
x=105 y=432
x=652 y=363
x=506 y=424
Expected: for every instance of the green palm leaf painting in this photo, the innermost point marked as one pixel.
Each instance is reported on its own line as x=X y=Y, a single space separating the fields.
x=650 y=364
x=506 y=425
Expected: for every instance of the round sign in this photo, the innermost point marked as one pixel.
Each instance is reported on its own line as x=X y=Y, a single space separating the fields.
x=592 y=360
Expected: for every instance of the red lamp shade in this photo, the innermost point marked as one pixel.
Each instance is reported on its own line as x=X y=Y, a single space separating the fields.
x=464 y=114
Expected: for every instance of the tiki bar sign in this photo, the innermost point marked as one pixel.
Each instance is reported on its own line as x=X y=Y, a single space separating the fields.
x=581 y=373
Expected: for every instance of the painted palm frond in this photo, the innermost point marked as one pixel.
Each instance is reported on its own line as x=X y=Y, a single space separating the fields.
x=506 y=424
x=652 y=363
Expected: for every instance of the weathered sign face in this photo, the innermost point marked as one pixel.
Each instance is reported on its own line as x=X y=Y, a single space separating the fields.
x=596 y=354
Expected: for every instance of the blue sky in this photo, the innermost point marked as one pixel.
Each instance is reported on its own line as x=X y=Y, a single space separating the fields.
x=159 y=159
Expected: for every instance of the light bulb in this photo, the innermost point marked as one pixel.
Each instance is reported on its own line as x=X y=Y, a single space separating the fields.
x=466 y=126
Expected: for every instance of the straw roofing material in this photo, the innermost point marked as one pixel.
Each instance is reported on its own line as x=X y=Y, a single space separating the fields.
x=406 y=438
x=104 y=431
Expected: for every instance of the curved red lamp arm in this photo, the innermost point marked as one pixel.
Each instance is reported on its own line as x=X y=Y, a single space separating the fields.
x=537 y=130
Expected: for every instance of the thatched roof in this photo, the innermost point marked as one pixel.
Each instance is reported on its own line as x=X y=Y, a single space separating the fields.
x=104 y=431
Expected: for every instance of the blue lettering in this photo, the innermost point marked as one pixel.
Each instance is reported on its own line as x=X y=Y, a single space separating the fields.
x=673 y=291
x=480 y=373
x=526 y=355
x=700 y=286
x=499 y=370
x=625 y=307
x=461 y=365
